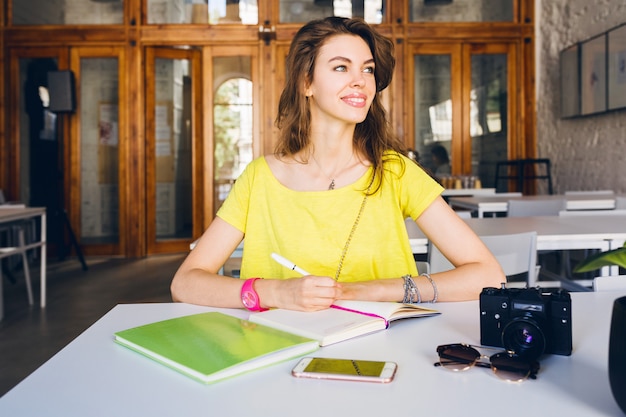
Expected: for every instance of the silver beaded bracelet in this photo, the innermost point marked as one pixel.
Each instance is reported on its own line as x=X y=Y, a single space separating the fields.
x=435 y=291
x=411 y=292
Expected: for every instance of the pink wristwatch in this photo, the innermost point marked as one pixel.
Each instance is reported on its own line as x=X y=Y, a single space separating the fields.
x=249 y=297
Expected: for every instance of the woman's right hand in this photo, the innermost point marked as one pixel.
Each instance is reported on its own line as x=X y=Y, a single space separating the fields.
x=308 y=293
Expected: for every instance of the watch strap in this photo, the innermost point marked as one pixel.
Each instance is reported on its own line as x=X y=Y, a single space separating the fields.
x=249 y=297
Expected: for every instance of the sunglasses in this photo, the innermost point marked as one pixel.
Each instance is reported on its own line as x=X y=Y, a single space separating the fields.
x=505 y=365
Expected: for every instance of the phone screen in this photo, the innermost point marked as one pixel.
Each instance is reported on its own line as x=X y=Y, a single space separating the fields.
x=345 y=367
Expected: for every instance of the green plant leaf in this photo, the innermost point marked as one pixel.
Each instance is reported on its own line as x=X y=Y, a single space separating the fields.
x=598 y=260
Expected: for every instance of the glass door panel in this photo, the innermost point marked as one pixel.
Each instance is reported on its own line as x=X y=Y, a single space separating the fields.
x=64 y=12
x=292 y=11
x=433 y=112
x=461 y=10
x=488 y=115
x=436 y=119
x=212 y=12
x=233 y=122
x=38 y=136
x=169 y=150
x=99 y=151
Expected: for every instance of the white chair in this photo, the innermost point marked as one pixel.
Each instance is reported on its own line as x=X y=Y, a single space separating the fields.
x=542 y=207
x=571 y=257
x=610 y=283
x=516 y=253
x=539 y=207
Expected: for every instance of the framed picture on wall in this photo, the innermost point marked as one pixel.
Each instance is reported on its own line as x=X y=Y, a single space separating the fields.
x=617 y=67
x=570 y=81
x=593 y=75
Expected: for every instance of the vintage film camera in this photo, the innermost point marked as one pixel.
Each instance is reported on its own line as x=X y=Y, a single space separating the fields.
x=526 y=321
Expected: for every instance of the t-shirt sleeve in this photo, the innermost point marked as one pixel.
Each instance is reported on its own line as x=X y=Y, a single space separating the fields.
x=418 y=190
x=235 y=208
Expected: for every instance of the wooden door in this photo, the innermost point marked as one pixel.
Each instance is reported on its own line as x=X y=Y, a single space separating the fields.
x=98 y=150
x=464 y=100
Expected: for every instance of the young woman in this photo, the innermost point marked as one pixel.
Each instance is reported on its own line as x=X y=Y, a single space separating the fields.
x=334 y=196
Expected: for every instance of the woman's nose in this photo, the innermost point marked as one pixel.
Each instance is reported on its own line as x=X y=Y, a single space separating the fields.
x=358 y=80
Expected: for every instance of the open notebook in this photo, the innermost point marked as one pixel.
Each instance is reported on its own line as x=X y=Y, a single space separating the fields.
x=345 y=320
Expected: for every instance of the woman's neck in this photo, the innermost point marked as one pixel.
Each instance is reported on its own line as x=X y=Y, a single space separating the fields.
x=333 y=165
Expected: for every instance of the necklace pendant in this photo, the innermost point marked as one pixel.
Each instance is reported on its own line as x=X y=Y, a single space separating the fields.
x=332 y=184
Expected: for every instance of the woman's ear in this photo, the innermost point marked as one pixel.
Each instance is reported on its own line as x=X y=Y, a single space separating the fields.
x=307 y=88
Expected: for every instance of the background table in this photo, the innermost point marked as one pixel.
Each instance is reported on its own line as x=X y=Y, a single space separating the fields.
x=468 y=192
x=499 y=204
x=93 y=376
x=553 y=232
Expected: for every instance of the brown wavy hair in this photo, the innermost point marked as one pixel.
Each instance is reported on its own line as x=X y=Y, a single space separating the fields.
x=373 y=136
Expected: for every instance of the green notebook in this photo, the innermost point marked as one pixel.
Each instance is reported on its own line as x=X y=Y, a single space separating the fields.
x=213 y=346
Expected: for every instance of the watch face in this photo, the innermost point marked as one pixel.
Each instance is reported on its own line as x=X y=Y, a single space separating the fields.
x=249 y=299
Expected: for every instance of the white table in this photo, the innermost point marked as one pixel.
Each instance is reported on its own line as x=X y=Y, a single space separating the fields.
x=553 y=232
x=466 y=192
x=94 y=377
x=499 y=204
x=9 y=214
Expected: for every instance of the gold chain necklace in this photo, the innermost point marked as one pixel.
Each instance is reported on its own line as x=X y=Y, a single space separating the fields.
x=356 y=222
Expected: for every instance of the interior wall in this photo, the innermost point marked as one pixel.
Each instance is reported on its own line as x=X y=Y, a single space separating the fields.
x=587 y=153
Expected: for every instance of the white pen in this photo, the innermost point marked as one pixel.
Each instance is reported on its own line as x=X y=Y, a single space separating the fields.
x=288 y=264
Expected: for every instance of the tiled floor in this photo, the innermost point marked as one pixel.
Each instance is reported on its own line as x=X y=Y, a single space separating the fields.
x=29 y=336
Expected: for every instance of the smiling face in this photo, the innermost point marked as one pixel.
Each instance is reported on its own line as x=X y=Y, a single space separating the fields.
x=343 y=84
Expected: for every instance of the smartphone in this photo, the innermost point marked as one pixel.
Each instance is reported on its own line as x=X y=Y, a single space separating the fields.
x=345 y=369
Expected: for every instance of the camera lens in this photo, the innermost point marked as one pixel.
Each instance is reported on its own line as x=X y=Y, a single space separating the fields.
x=524 y=337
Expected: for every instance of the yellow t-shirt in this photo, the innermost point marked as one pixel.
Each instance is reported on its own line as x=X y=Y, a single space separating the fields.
x=310 y=228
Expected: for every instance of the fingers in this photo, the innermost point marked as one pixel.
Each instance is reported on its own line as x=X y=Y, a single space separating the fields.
x=320 y=286
x=311 y=292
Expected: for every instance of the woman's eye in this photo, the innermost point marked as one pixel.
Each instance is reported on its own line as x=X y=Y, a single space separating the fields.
x=344 y=68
